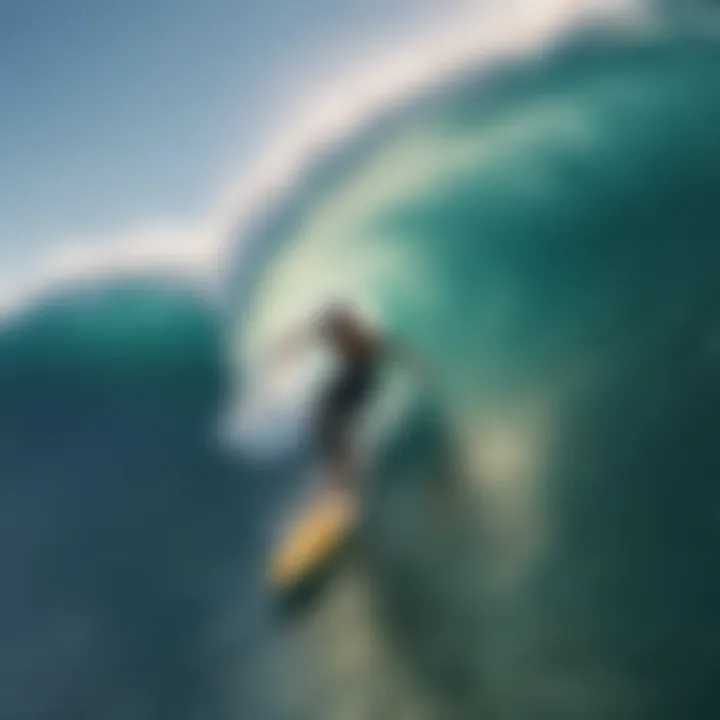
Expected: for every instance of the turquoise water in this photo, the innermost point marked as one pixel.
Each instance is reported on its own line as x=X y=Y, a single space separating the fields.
x=547 y=237
x=131 y=545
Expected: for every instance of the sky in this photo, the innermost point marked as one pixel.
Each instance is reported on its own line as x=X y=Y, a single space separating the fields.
x=116 y=112
x=126 y=120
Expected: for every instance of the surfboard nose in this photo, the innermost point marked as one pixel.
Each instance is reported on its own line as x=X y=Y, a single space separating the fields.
x=314 y=541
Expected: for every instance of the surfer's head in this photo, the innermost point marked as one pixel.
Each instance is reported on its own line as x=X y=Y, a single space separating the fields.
x=340 y=320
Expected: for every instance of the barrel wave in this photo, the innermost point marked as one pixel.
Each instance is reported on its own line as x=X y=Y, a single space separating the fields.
x=546 y=235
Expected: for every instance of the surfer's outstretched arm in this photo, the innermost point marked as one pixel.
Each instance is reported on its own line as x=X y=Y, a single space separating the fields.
x=397 y=349
x=291 y=343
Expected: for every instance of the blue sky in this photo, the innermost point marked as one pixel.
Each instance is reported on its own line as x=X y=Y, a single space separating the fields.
x=113 y=112
x=127 y=118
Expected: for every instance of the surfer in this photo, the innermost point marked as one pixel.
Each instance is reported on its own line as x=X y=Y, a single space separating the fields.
x=360 y=350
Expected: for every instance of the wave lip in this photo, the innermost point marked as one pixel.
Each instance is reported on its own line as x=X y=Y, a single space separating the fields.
x=549 y=244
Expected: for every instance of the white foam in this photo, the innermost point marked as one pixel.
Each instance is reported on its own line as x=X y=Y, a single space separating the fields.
x=483 y=34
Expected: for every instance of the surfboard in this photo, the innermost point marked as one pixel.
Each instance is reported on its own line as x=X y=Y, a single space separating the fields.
x=317 y=537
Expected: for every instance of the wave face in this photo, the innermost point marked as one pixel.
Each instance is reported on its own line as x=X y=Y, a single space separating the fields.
x=129 y=542
x=547 y=236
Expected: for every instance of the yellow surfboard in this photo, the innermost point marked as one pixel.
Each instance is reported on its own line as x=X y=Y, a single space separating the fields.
x=314 y=540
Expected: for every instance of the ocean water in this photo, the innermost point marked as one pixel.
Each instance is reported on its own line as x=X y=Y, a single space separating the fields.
x=541 y=511
x=129 y=540
x=545 y=235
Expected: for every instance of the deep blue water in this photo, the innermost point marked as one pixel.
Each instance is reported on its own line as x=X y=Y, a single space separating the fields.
x=129 y=541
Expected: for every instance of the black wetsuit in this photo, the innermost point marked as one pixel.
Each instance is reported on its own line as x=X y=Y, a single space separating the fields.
x=341 y=401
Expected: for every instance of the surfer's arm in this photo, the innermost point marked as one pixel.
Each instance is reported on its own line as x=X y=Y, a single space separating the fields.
x=295 y=341
x=399 y=350
x=291 y=343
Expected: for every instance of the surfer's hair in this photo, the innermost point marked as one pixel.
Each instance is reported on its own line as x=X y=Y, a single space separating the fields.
x=339 y=315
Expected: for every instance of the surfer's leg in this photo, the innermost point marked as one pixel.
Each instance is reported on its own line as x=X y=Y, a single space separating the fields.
x=338 y=411
x=342 y=467
x=335 y=447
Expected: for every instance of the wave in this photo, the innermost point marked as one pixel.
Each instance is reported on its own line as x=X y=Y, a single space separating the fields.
x=546 y=237
x=130 y=540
